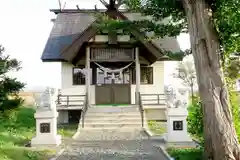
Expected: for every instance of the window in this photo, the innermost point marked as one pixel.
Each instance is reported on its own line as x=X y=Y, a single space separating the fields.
x=146 y=75
x=78 y=76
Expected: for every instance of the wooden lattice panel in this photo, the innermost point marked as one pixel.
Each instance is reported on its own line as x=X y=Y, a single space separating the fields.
x=112 y=54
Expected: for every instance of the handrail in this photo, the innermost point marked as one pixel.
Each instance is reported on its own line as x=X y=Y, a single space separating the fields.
x=140 y=105
x=66 y=100
x=158 y=99
x=85 y=108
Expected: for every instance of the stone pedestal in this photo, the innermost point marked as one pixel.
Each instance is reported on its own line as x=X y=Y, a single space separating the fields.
x=46 y=129
x=46 y=122
x=177 y=125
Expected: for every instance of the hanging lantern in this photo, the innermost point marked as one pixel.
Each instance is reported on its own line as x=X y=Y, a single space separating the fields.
x=2 y=65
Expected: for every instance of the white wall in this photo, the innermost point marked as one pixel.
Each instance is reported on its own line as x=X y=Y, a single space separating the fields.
x=69 y=89
x=158 y=82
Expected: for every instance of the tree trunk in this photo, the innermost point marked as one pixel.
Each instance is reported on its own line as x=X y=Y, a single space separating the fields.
x=219 y=133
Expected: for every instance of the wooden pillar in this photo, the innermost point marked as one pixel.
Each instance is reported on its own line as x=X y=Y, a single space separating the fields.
x=88 y=75
x=138 y=74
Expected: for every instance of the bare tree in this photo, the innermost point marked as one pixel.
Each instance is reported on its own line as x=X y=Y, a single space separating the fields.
x=187 y=73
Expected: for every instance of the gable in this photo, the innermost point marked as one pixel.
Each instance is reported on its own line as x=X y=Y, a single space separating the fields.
x=69 y=27
x=65 y=31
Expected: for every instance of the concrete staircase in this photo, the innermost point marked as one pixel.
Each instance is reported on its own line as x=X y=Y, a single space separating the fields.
x=111 y=123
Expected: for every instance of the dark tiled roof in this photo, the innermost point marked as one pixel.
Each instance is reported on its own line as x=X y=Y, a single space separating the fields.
x=65 y=30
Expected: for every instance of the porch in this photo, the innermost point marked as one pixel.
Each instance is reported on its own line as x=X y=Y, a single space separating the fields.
x=153 y=107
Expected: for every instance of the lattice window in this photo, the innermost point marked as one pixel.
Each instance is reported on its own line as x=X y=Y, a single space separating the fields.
x=146 y=75
x=117 y=54
x=78 y=76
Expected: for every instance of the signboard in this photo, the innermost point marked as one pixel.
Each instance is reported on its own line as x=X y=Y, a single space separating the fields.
x=177 y=125
x=45 y=127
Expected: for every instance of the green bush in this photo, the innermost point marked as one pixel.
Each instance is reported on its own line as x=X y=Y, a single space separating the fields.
x=195 y=117
x=235 y=104
x=17 y=127
x=9 y=104
x=186 y=154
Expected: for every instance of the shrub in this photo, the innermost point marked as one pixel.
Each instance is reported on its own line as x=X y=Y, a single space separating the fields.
x=195 y=117
x=186 y=154
x=9 y=104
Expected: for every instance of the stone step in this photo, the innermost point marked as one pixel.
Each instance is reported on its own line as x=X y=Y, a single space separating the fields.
x=111 y=125
x=110 y=134
x=129 y=114
x=113 y=120
x=136 y=149
x=113 y=109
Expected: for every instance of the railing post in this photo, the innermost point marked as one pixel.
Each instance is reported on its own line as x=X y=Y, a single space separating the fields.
x=136 y=98
x=140 y=107
x=85 y=107
x=83 y=119
x=67 y=101
x=158 y=98
x=58 y=99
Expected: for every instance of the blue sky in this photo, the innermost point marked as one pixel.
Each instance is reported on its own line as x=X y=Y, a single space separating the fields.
x=25 y=27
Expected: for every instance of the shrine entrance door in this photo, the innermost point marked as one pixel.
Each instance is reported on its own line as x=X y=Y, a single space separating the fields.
x=112 y=88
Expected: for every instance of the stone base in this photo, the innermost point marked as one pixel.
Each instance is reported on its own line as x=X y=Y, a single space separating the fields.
x=46 y=141
x=182 y=144
x=178 y=138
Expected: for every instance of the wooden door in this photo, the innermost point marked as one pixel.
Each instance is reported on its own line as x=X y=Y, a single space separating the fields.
x=113 y=94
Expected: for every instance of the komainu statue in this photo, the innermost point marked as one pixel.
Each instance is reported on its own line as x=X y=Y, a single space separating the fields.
x=176 y=97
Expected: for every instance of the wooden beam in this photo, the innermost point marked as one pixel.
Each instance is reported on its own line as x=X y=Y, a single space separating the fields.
x=138 y=75
x=88 y=76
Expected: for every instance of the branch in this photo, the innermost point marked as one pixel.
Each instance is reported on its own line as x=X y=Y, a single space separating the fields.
x=119 y=3
x=60 y=4
x=95 y=7
x=104 y=3
x=64 y=5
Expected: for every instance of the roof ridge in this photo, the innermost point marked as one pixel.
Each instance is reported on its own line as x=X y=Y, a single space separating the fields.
x=56 y=11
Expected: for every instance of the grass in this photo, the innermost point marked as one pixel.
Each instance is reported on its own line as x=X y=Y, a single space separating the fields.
x=17 y=129
x=156 y=127
x=186 y=153
x=67 y=130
